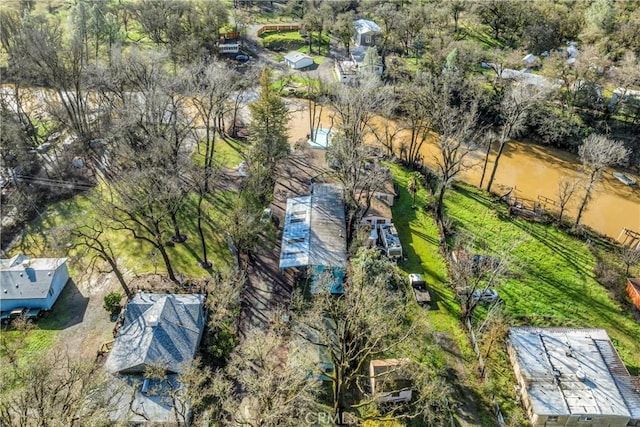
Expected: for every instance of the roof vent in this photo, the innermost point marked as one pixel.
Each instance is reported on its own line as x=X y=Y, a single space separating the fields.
x=581 y=375
x=145 y=385
x=25 y=263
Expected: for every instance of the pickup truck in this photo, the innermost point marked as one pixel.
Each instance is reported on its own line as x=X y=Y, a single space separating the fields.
x=28 y=313
x=420 y=291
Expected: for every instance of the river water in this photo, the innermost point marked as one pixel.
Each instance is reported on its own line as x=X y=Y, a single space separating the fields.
x=533 y=171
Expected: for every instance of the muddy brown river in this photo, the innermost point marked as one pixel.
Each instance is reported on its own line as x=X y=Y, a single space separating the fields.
x=533 y=171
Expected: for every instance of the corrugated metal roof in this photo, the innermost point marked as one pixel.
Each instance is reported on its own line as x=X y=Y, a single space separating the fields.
x=569 y=371
x=158 y=328
x=630 y=389
x=25 y=278
x=294 y=250
x=328 y=246
x=314 y=229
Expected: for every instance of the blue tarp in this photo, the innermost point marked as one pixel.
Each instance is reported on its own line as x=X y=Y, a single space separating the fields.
x=337 y=282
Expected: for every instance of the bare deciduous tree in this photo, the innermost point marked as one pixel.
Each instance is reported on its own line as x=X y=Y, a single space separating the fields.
x=186 y=392
x=210 y=88
x=53 y=390
x=474 y=275
x=455 y=124
x=387 y=130
x=359 y=176
x=597 y=152
x=630 y=256
x=514 y=110
x=417 y=120
x=365 y=322
x=134 y=205
x=276 y=388
x=566 y=190
x=91 y=236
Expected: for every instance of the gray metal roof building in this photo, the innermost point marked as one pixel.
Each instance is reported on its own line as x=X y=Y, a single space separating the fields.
x=159 y=329
x=571 y=375
x=314 y=229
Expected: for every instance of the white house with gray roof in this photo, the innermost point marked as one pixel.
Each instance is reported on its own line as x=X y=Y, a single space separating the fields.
x=298 y=60
x=569 y=376
x=31 y=282
x=158 y=330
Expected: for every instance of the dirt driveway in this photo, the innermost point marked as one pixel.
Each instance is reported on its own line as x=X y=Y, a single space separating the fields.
x=268 y=290
x=88 y=324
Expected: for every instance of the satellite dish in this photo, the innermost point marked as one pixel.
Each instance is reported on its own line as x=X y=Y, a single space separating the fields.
x=581 y=375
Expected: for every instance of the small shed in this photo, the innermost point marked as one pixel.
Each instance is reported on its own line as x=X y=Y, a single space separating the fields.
x=633 y=289
x=379 y=212
x=298 y=60
x=389 y=380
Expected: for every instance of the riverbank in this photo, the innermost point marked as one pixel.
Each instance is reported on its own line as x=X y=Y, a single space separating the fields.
x=552 y=279
x=532 y=170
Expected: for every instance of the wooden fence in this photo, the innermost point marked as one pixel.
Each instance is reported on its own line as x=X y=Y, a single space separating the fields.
x=278 y=28
x=230 y=36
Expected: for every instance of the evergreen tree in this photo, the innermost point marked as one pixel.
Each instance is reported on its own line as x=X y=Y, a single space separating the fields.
x=269 y=117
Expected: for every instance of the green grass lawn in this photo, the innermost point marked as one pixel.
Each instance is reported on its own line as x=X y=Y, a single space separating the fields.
x=480 y=34
x=136 y=255
x=283 y=40
x=420 y=242
x=419 y=237
x=552 y=281
x=293 y=40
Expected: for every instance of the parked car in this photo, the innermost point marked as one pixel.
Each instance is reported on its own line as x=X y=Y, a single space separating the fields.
x=484 y=295
x=419 y=288
x=242 y=58
x=28 y=313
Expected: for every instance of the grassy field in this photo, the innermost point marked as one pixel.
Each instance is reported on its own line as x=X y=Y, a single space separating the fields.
x=552 y=281
x=134 y=255
x=281 y=41
x=419 y=236
x=420 y=243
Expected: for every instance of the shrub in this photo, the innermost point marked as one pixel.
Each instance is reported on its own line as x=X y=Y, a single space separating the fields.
x=112 y=302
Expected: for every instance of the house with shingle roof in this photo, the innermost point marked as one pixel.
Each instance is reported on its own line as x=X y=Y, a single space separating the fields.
x=31 y=282
x=159 y=330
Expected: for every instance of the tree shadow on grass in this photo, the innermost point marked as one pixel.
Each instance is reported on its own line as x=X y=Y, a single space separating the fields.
x=68 y=310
